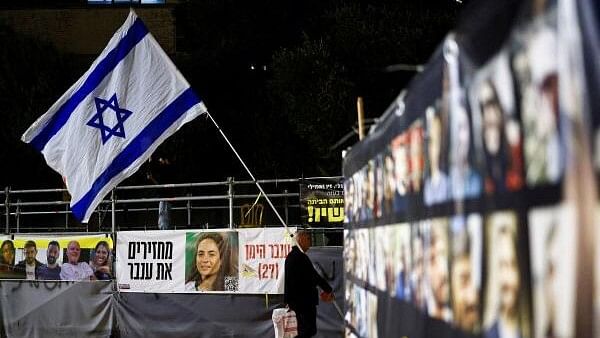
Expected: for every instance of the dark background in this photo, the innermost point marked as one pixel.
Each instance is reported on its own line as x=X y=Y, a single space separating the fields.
x=280 y=77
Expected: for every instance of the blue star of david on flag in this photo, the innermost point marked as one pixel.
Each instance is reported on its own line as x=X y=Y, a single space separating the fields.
x=97 y=120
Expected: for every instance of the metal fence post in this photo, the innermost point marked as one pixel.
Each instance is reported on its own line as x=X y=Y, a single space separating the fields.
x=230 y=196
x=18 y=214
x=7 y=208
x=113 y=204
x=285 y=201
x=189 y=210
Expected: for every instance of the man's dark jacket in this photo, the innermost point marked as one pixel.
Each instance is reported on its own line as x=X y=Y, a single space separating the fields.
x=301 y=280
x=20 y=267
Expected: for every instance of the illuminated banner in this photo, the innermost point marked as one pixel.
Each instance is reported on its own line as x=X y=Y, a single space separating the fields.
x=215 y=260
x=322 y=202
x=56 y=257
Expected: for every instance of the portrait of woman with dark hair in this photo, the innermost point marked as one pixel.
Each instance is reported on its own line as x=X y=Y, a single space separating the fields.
x=102 y=261
x=497 y=132
x=494 y=140
x=7 y=256
x=211 y=266
x=506 y=302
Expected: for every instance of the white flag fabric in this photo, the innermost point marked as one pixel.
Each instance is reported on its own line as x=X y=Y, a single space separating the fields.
x=112 y=119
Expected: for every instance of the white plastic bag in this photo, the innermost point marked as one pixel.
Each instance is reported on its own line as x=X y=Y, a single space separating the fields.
x=285 y=323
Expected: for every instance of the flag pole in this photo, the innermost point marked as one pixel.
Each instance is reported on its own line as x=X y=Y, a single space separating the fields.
x=249 y=172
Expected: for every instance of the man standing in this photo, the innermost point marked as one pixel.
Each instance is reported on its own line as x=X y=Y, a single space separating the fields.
x=52 y=270
x=30 y=264
x=301 y=280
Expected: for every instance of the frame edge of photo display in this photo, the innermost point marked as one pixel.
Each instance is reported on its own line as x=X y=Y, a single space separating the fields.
x=468 y=207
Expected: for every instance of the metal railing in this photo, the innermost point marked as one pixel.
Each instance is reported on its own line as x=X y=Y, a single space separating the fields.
x=202 y=204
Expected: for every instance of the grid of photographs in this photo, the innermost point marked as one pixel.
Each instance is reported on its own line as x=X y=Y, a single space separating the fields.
x=462 y=223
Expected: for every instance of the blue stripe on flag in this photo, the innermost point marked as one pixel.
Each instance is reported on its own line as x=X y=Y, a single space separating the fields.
x=134 y=35
x=138 y=147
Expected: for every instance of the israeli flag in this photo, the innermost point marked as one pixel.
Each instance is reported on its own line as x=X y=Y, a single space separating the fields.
x=112 y=119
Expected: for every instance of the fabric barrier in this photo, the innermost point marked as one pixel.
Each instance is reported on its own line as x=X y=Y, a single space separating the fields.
x=56 y=309
x=96 y=309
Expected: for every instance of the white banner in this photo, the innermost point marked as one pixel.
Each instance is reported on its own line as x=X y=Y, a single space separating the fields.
x=215 y=260
x=262 y=257
x=151 y=261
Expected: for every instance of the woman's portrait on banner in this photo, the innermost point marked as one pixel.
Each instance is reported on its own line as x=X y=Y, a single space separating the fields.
x=496 y=128
x=506 y=312
x=101 y=261
x=211 y=261
x=553 y=247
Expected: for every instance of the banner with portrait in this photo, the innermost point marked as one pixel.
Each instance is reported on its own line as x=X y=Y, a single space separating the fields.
x=56 y=257
x=322 y=202
x=214 y=261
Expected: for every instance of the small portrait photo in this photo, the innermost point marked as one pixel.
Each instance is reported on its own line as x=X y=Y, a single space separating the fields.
x=360 y=184
x=349 y=196
x=370 y=190
x=375 y=263
x=465 y=272
x=437 y=268
x=380 y=244
x=403 y=260
x=537 y=82
x=389 y=183
x=8 y=269
x=101 y=260
x=211 y=261
x=350 y=254
x=496 y=127
x=350 y=316
x=400 y=150
x=416 y=164
x=362 y=254
x=465 y=180
x=506 y=312
x=553 y=233
x=372 y=315
x=379 y=187
x=418 y=283
x=361 y=306
x=436 y=188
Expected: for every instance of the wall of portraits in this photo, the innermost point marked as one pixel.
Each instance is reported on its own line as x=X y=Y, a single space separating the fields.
x=470 y=211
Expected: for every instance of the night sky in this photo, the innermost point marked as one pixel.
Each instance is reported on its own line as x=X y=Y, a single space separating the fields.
x=280 y=77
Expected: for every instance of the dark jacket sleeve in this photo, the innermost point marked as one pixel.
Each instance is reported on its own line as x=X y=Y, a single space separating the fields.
x=301 y=281
x=321 y=282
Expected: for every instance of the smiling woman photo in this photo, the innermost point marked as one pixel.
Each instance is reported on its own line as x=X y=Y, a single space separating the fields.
x=102 y=261
x=210 y=265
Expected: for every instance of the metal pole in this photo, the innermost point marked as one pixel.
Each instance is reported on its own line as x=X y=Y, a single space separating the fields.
x=113 y=212
x=285 y=201
x=248 y=170
x=230 y=182
x=18 y=214
x=189 y=210
x=7 y=208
